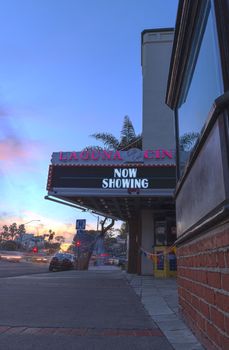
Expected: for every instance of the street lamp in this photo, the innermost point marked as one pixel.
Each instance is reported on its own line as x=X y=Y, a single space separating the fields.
x=30 y=221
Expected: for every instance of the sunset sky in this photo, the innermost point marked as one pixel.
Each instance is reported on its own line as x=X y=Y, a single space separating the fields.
x=68 y=68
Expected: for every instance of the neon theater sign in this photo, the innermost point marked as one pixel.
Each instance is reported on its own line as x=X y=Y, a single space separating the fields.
x=95 y=155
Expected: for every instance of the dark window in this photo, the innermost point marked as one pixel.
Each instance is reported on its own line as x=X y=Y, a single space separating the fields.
x=204 y=87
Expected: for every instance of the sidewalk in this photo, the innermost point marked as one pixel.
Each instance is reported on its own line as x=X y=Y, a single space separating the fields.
x=86 y=310
x=99 y=309
x=159 y=297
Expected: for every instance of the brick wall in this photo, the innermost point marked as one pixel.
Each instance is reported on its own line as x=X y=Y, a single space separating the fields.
x=203 y=286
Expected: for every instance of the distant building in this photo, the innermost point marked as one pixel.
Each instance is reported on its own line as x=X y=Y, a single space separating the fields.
x=28 y=241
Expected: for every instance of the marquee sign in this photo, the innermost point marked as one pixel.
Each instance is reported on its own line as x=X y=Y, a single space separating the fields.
x=116 y=184
x=153 y=156
x=111 y=178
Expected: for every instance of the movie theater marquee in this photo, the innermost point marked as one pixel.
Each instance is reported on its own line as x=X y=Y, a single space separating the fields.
x=112 y=171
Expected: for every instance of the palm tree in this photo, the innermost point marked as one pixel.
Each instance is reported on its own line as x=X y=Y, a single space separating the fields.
x=187 y=141
x=13 y=230
x=51 y=235
x=128 y=139
x=5 y=233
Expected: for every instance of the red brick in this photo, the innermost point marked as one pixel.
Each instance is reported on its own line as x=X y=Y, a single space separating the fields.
x=182 y=272
x=224 y=342
x=200 y=322
x=222 y=301
x=195 y=302
x=227 y=258
x=31 y=331
x=62 y=330
x=222 y=239
x=15 y=330
x=197 y=289
x=201 y=276
x=198 y=260
x=213 y=333
x=47 y=330
x=203 y=261
x=110 y=332
x=225 y=281
x=204 y=309
x=78 y=331
x=206 y=244
x=221 y=261
x=188 y=285
x=208 y=295
x=142 y=333
x=212 y=260
x=226 y=324
x=217 y=318
x=214 y=279
x=156 y=332
x=3 y=329
x=187 y=295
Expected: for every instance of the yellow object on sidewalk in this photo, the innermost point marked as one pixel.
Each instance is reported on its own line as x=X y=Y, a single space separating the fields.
x=164 y=262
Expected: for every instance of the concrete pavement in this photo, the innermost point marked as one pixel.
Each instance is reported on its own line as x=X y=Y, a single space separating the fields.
x=95 y=309
x=159 y=297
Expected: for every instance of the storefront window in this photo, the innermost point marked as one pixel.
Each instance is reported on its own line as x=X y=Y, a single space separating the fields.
x=205 y=87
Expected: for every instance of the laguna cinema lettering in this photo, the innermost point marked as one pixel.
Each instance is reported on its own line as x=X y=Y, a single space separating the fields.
x=96 y=155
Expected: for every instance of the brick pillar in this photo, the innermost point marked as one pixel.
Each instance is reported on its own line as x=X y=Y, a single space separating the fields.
x=203 y=286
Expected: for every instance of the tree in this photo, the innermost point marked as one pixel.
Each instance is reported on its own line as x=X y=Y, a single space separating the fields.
x=60 y=239
x=13 y=230
x=51 y=235
x=106 y=229
x=123 y=230
x=128 y=138
x=9 y=245
x=188 y=140
x=21 y=230
x=5 y=233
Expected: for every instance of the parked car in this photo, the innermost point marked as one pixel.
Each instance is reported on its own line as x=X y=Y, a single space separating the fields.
x=122 y=261
x=62 y=261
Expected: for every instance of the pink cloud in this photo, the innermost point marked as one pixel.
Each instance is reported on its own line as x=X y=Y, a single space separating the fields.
x=12 y=149
x=14 y=146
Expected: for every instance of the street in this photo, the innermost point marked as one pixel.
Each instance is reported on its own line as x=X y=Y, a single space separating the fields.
x=94 y=309
x=10 y=269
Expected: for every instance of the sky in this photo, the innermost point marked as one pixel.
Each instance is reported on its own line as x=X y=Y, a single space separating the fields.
x=68 y=69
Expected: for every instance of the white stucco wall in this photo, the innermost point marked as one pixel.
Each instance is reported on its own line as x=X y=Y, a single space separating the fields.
x=147 y=241
x=158 y=122
x=158 y=129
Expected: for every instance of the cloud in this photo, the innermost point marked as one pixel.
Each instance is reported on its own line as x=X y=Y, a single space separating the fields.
x=14 y=146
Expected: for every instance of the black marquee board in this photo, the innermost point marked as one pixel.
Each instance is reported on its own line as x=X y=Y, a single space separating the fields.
x=93 y=176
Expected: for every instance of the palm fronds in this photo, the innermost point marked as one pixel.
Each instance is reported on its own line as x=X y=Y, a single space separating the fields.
x=188 y=140
x=128 y=138
x=109 y=140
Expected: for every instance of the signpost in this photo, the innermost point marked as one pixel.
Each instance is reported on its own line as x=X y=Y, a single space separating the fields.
x=81 y=224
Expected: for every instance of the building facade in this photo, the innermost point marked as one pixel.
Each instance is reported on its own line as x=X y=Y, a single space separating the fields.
x=198 y=92
x=157 y=131
x=135 y=186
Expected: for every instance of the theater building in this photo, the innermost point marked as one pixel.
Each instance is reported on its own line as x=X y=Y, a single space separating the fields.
x=135 y=186
x=198 y=94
